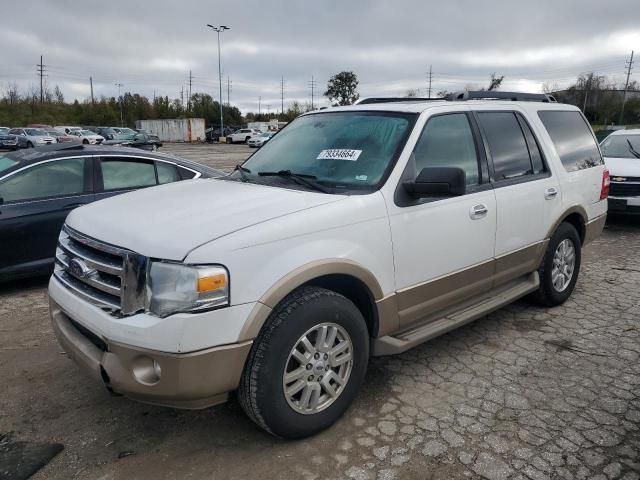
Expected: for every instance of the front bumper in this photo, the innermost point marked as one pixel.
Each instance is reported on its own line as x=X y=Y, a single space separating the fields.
x=182 y=380
x=629 y=205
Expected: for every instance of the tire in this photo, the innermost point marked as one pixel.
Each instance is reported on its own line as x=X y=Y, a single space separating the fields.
x=549 y=294
x=29 y=145
x=262 y=387
x=154 y=148
x=246 y=139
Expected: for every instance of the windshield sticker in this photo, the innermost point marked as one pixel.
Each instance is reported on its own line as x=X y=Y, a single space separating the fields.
x=339 y=154
x=361 y=178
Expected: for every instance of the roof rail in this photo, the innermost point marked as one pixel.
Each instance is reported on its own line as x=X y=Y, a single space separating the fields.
x=495 y=95
x=369 y=100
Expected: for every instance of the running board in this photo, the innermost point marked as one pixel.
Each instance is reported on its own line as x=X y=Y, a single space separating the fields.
x=483 y=305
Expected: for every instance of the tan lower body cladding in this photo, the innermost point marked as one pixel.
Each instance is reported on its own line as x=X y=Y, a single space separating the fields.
x=426 y=301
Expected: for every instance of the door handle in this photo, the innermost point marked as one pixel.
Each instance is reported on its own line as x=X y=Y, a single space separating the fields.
x=478 y=211
x=550 y=193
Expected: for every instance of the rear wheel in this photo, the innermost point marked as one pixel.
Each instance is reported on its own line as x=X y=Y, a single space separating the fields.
x=86 y=142
x=306 y=365
x=560 y=266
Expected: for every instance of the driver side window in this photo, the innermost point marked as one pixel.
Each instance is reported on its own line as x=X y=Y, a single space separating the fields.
x=447 y=141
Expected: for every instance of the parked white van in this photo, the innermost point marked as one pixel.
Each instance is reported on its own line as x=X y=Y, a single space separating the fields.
x=356 y=231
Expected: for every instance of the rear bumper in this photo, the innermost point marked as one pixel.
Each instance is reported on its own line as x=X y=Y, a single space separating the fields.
x=189 y=380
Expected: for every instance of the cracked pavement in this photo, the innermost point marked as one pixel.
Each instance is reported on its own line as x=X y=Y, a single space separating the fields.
x=524 y=393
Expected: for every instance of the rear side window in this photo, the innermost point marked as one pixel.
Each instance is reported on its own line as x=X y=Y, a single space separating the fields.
x=572 y=138
x=167 y=173
x=507 y=145
x=123 y=173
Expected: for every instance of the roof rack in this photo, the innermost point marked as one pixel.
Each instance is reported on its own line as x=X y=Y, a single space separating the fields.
x=494 y=95
x=369 y=100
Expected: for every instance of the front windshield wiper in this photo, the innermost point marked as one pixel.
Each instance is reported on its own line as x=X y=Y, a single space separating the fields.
x=633 y=150
x=299 y=178
x=243 y=172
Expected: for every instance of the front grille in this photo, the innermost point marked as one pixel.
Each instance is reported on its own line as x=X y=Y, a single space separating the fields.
x=109 y=277
x=624 y=189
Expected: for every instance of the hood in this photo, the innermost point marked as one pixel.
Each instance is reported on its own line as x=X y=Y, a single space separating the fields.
x=623 y=167
x=170 y=220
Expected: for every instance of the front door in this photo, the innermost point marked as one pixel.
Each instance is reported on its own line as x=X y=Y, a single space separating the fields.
x=35 y=203
x=443 y=246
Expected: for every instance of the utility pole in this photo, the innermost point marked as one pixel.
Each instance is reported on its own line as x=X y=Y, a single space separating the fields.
x=628 y=64
x=229 y=82
x=282 y=96
x=219 y=29
x=40 y=71
x=182 y=96
x=91 y=84
x=312 y=85
x=259 y=101
x=190 y=80
x=430 y=77
x=120 y=85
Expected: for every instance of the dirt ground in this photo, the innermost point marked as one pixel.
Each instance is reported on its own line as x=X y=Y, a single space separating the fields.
x=525 y=392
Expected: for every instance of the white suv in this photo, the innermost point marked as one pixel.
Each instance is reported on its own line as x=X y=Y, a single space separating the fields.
x=356 y=231
x=243 y=135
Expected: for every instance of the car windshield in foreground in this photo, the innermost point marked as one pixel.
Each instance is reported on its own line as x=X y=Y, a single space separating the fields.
x=6 y=163
x=35 y=132
x=347 y=150
x=621 y=146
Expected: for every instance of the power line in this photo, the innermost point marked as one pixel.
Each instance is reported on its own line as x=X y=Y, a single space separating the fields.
x=312 y=85
x=40 y=69
x=628 y=65
x=282 y=96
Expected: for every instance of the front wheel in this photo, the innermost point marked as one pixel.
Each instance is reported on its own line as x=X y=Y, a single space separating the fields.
x=85 y=142
x=560 y=266
x=29 y=145
x=306 y=365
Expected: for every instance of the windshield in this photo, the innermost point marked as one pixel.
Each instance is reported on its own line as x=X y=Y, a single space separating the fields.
x=87 y=132
x=5 y=163
x=35 y=132
x=54 y=132
x=4 y=130
x=618 y=146
x=344 y=150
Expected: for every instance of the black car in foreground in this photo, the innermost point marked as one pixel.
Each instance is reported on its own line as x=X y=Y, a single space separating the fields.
x=39 y=187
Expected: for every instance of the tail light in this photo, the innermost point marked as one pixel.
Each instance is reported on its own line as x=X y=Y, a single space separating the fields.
x=606 y=181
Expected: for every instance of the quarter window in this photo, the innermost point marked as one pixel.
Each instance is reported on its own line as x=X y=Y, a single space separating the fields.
x=507 y=145
x=167 y=173
x=447 y=141
x=119 y=173
x=58 y=178
x=572 y=138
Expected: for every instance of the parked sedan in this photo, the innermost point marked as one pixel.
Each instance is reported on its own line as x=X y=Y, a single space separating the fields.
x=138 y=140
x=88 y=137
x=35 y=137
x=11 y=142
x=60 y=136
x=260 y=140
x=39 y=188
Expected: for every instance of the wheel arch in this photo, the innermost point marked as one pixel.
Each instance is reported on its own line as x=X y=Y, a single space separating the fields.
x=575 y=216
x=342 y=276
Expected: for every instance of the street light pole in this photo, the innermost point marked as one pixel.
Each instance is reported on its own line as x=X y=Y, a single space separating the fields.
x=219 y=29
x=120 y=85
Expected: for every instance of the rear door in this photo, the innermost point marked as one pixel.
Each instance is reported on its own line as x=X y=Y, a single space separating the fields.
x=527 y=195
x=35 y=204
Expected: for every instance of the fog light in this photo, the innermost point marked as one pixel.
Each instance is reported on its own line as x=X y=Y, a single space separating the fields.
x=146 y=370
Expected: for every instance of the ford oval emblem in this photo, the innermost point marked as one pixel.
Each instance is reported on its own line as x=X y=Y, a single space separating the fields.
x=79 y=269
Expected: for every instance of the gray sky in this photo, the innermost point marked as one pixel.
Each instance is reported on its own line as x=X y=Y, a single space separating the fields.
x=152 y=45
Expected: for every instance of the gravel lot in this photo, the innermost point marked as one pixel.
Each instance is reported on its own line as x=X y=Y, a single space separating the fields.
x=525 y=392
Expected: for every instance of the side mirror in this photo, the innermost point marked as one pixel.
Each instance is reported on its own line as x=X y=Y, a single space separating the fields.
x=438 y=182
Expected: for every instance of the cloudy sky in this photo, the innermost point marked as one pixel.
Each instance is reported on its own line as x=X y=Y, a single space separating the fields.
x=151 y=45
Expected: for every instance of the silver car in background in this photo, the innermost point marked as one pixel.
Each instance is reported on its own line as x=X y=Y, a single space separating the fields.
x=35 y=137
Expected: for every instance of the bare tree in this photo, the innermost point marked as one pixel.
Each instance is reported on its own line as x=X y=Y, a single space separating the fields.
x=412 y=92
x=495 y=82
x=12 y=93
x=57 y=93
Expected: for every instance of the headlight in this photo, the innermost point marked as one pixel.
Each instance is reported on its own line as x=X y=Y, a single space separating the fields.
x=175 y=287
